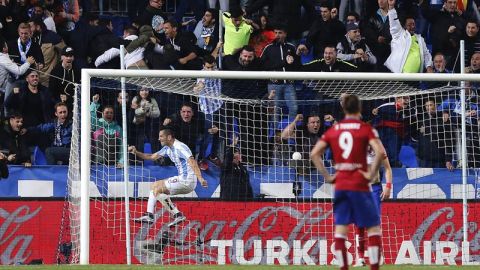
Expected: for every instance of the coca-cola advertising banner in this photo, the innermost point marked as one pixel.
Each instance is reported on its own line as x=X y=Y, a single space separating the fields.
x=217 y=232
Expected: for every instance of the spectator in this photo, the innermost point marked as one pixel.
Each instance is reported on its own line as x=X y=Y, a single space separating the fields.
x=59 y=133
x=64 y=77
x=329 y=63
x=447 y=27
x=280 y=56
x=353 y=49
x=187 y=128
x=344 y=6
x=391 y=123
x=154 y=16
x=474 y=64
x=22 y=48
x=13 y=143
x=440 y=64
x=324 y=31
x=409 y=50
x=472 y=40
x=305 y=138
x=289 y=12
x=7 y=66
x=107 y=135
x=51 y=45
x=80 y=39
x=209 y=91
x=182 y=47
x=32 y=101
x=377 y=34
x=3 y=166
x=66 y=14
x=263 y=36
x=206 y=31
x=39 y=11
x=145 y=119
x=435 y=139
x=234 y=177
x=102 y=39
x=135 y=48
x=243 y=60
x=237 y=30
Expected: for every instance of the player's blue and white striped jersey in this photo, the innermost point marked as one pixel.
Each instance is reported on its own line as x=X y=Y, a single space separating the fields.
x=179 y=153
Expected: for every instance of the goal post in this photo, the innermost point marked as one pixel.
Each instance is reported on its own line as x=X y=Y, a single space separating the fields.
x=317 y=78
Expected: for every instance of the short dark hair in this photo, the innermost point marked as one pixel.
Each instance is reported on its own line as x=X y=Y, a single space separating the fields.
x=167 y=130
x=326 y=4
x=104 y=21
x=406 y=17
x=352 y=104
x=15 y=114
x=131 y=30
x=209 y=59
x=354 y=14
x=108 y=107
x=173 y=23
x=247 y=48
x=236 y=11
x=37 y=20
x=187 y=104
x=214 y=12
x=59 y=104
x=471 y=20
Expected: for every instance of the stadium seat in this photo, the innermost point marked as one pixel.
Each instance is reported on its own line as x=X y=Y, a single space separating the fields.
x=147 y=148
x=407 y=157
x=38 y=157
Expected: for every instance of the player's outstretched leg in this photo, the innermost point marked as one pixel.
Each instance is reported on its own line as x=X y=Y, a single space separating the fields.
x=167 y=203
x=360 y=242
x=148 y=216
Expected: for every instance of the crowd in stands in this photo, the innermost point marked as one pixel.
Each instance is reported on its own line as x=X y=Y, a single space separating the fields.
x=45 y=44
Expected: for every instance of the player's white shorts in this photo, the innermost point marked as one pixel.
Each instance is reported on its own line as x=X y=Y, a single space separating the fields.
x=178 y=185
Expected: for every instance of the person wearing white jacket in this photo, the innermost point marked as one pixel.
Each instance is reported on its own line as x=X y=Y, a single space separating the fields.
x=409 y=51
x=7 y=67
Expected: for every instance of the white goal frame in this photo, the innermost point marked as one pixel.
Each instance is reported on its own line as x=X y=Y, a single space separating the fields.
x=85 y=147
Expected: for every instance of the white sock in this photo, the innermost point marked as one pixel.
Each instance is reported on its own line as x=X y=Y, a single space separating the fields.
x=167 y=203
x=151 y=203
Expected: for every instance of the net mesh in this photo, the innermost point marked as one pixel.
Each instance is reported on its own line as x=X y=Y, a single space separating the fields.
x=418 y=123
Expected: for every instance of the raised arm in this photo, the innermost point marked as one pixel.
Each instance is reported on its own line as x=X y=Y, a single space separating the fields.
x=388 y=177
x=289 y=131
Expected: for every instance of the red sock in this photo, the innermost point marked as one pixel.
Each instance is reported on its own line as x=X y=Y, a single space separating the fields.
x=361 y=242
x=374 y=250
x=341 y=251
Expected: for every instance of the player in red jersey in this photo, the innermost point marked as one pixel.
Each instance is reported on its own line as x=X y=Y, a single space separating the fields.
x=353 y=201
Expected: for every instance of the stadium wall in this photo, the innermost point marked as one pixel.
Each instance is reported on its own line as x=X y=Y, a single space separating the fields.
x=414 y=232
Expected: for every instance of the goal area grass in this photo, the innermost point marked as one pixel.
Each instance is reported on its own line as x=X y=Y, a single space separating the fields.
x=226 y=267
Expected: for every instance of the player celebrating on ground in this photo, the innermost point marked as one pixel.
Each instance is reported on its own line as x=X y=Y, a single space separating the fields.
x=183 y=183
x=353 y=202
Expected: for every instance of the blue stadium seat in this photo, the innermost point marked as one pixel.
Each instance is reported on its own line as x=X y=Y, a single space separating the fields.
x=407 y=157
x=147 y=149
x=38 y=157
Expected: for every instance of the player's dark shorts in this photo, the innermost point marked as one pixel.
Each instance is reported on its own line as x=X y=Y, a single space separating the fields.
x=377 y=196
x=355 y=207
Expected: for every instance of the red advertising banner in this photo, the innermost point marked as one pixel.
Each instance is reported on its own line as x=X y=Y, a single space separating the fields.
x=239 y=232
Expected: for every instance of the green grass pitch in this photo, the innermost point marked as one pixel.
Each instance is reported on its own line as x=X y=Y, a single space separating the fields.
x=223 y=267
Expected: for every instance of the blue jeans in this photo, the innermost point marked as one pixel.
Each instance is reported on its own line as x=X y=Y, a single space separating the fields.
x=284 y=94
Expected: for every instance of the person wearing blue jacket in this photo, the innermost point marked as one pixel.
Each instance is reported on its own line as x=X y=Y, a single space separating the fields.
x=59 y=132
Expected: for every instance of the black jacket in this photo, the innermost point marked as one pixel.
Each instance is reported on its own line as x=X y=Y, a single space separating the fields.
x=187 y=132
x=274 y=57
x=3 y=169
x=34 y=51
x=102 y=40
x=287 y=12
x=60 y=83
x=18 y=103
x=441 y=20
x=154 y=18
x=243 y=89
x=323 y=33
x=14 y=143
x=319 y=65
x=234 y=179
x=371 y=31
